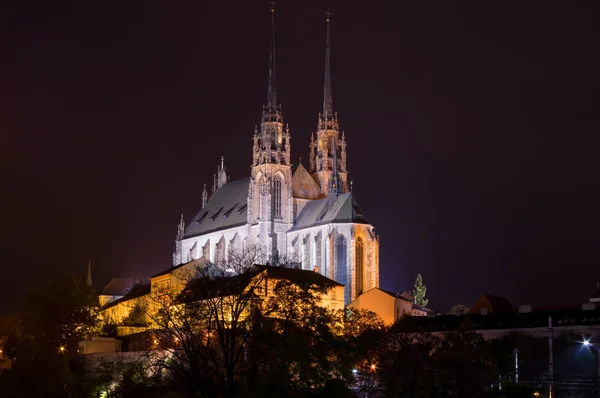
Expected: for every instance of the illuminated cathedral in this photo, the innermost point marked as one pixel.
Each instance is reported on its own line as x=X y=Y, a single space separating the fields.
x=310 y=215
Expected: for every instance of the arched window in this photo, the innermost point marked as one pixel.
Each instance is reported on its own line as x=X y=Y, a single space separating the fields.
x=359 y=266
x=341 y=272
x=277 y=197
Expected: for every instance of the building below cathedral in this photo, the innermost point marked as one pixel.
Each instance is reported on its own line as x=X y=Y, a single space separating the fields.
x=308 y=216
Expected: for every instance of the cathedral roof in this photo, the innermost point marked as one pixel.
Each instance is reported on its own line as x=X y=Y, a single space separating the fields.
x=303 y=184
x=344 y=209
x=138 y=290
x=118 y=287
x=227 y=208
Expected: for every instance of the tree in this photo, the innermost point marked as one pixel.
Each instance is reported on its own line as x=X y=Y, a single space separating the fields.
x=363 y=334
x=298 y=345
x=232 y=332
x=205 y=329
x=459 y=309
x=44 y=341
x=420 y=291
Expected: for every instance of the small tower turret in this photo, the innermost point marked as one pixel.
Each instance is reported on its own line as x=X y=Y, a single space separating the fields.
x=221 y=174
x=204 y=197
x=177 y=254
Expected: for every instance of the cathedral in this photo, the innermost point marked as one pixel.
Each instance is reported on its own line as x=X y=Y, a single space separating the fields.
x=309 y=215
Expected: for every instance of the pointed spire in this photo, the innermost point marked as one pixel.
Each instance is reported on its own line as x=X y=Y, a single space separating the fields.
x=272 y=90
x=89 y=274
x=204 y=197
x=181 y=228
x=327 y=97
x=221 y=174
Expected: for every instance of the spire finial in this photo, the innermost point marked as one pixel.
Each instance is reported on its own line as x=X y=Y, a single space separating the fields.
x=204 y=197
x=272 y=90
x=89 y=274
x=327 y=98
x=181 y=228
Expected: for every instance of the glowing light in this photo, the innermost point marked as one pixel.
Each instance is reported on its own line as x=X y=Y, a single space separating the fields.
x=61 y=348
x=354 y=371
x=373 y=367
x=536 y=394
x=586 y=343
x=155 y=341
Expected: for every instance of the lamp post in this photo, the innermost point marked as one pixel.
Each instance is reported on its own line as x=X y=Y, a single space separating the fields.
x=588 y=344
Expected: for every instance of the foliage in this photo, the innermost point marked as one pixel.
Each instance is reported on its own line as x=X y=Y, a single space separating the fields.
x=64 y=314
x=459 y=309
x=419 y=291
x=416 y=365
x=43 y=341
x=224 y=337
x=137 y=316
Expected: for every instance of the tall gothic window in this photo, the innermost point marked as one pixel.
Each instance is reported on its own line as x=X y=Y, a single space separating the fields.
x=341 y=272
x=326 y=258
x=277 y=197
x=359 y=266
x=307 y=253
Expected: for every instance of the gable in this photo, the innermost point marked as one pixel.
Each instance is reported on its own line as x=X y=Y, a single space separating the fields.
x=303 y=185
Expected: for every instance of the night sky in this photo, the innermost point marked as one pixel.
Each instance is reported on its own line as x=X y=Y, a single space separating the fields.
x=472 y=132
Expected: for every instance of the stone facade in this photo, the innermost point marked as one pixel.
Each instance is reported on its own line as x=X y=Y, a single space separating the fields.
x=308 y=216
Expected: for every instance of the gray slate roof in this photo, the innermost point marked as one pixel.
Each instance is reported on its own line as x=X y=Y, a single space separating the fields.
x=344 y=209
x=227 y=208
x=118 y=287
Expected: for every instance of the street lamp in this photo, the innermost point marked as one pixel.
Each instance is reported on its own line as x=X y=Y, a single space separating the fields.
x=587 y=343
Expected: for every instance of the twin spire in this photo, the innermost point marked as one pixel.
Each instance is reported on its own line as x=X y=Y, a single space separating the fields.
x=272 y=84
x=327 y=97
x=272 y=90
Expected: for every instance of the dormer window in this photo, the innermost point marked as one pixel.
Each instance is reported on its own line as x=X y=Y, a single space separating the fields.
x=213 y=218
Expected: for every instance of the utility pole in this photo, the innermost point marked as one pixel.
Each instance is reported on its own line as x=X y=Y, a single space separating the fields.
x=516 y=365
x=550 y=357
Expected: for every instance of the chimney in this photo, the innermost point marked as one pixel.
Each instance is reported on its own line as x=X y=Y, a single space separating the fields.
x=316 y=268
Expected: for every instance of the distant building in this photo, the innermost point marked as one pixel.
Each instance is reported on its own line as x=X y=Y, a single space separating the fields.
x=117 y=288
x=388 y=305
x=495 y=317
x=173 y=280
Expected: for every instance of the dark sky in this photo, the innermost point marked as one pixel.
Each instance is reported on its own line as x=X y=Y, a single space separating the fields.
x=472 y=132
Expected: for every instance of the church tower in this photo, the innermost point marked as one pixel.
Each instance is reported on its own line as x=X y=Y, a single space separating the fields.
x=270 y=202
x=328 y=144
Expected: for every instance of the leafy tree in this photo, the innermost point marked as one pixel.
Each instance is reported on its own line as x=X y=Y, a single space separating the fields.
x=44 y=340
x=420 y=290
x=406 y=368
x=206 y=328
x=459 y=309
x=64 y=314
x=137 y=316
x=299 y=345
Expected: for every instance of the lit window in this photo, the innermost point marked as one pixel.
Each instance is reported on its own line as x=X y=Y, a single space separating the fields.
x=277 y=197
x=359 y=266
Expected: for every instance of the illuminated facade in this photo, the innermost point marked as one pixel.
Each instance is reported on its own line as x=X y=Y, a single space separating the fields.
x=308 y=216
